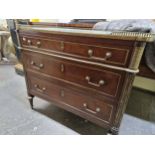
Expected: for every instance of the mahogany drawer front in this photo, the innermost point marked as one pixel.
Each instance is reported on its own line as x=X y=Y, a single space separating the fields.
x=100 y=80
x=31 y=42
x=100 y=54
x=106 y=55
x=84 y=103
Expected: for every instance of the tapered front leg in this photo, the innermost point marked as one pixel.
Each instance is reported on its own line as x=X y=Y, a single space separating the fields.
x=30 y=98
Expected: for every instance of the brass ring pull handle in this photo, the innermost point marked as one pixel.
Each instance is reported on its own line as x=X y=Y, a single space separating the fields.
x=24 y=39
x=38 y=44
x=100 y=83
x=39 y=89
x=29 y=42
x=38 y=67
x=90 y=52
x=91 y=111
x=107 y=55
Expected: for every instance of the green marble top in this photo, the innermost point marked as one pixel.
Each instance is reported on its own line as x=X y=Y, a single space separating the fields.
x=137 y=36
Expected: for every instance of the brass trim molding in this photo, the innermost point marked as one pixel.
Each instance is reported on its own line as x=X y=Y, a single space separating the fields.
x=147 y=37
x=124 y=99
x=137 y=54
x=139 y=35
x=134 y=71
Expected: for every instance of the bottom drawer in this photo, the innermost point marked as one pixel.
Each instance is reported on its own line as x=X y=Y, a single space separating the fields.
x=72 y=98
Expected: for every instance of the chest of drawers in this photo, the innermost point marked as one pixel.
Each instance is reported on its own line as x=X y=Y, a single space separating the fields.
x=87 y=73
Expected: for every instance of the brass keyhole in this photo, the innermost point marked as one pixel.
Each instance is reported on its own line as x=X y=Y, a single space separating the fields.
x=62 y=93
x=62 y=68
x=62 y=45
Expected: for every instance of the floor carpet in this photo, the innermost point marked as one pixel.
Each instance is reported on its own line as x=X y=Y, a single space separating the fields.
x=16 y=117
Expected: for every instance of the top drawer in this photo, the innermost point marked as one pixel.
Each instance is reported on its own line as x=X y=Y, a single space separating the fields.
x=101 y=54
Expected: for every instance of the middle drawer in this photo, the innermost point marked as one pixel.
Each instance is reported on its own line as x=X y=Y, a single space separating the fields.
x=104 y=81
